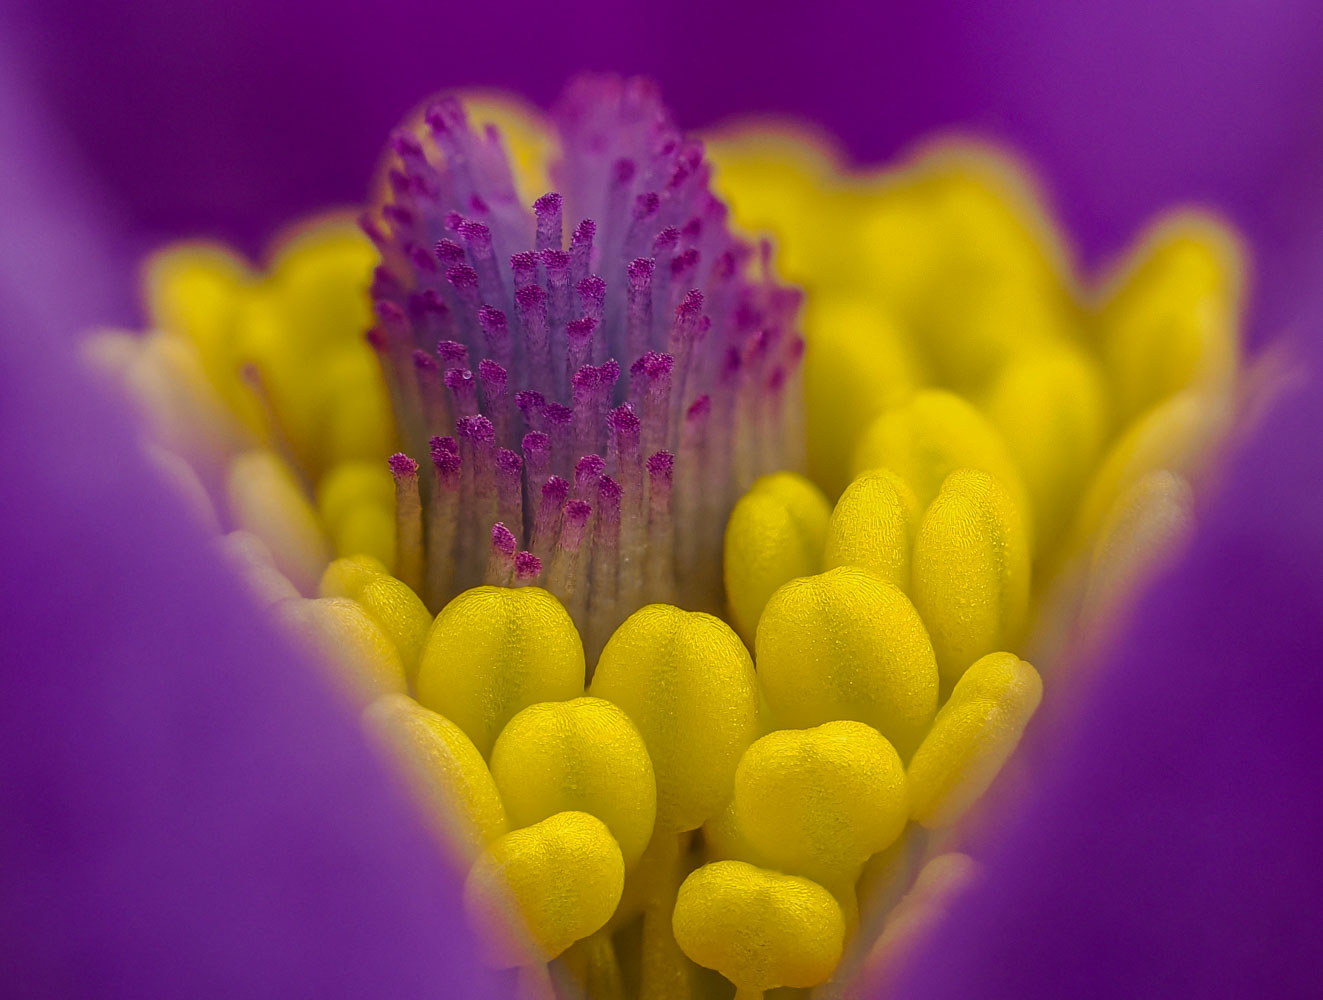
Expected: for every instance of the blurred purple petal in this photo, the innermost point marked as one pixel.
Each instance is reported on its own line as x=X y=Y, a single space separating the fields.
x=1172 y=845
x=187 y=811
x=232 y=120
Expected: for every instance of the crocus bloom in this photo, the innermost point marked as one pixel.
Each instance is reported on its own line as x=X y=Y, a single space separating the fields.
x=1284 y=598
x=961 y=404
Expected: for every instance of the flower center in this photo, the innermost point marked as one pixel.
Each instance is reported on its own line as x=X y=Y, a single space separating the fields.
x=591 y=411
x=641 y=790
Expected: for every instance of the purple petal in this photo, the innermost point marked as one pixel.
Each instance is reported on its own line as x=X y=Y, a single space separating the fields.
x=1171 y=845
x=188 y=810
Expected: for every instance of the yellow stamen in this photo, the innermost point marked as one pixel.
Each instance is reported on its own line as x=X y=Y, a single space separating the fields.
x=760 y=929
x=847 y=645
x=494 y=651
x=582 y=755
x=820 y=802
x=396 y=609
x=775 y=534
x=972 y=737
x=446 y=772
x=971 y=571
x=687 y=682
x=873 y=526
x=519 y=897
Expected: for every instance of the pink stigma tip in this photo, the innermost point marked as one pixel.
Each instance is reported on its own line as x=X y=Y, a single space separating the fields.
x=529 y=401
x=527 y=566
x=646 y=205
x=508 y=461
x=452 y=350
x=530 y=295
x=662 y=464
x=491 y=373
x=652 y=364
x=458 y=377
x=577 y=512
x=556 y=489
x=590 y=465
x=503 y=539
x=623 y=419
x=447 y=462
x=449 y=252
x=462 y=276
x=476 y=429
x=581 y=327
x=402 y=466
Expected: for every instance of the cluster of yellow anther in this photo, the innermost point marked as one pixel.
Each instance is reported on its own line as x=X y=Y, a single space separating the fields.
x=994 y=457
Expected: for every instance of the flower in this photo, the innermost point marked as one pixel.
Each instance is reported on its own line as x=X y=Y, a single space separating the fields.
x=1280 y=584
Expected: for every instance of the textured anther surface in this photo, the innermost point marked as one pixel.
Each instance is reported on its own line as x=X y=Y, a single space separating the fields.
x=846 y=644
x=760 y=929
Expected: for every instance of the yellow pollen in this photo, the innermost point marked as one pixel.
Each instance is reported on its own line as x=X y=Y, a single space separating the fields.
x=999 y=453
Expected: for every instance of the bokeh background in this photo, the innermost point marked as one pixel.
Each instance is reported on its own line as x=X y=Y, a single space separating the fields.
x=230 y=119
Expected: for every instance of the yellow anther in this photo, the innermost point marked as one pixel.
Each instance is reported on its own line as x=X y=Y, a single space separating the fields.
x=1178 y=435
x=758 y=928
x=972 y=737
x=536 y=891
x=344 y=636
x=873 y=526
x=191 y=289
x=1051 y=408
x=898 y=241
x=354 y=484
x=847 y=645
x=775 y=533
x=355 y=418
x=321 y=274
x=1172 y=322
x=444 y=770
x=266 y=499
x=725 y=840
x=991 y=217
x=971 y=571
x=494 y=651
x=819 y=802
x=390 y=602
x=1147 y=525
x=930 y=437
x=772 y=178
x=582 y=755
x=250 y=557
x=687 y=682
x=196 y=291
x=357 y=503
x=858 y=363
x=345 y=577
x=300 y=329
